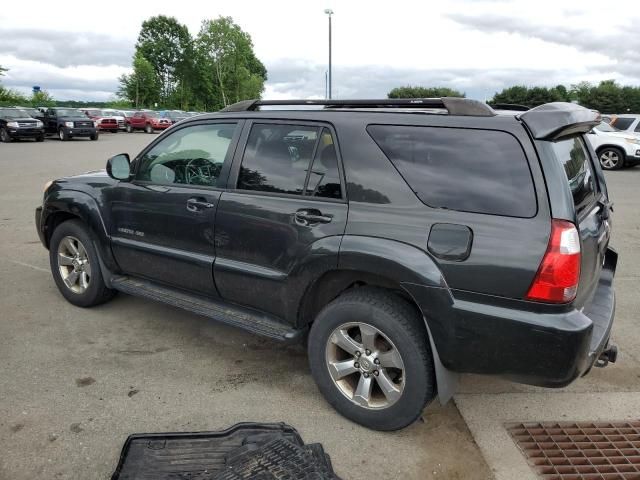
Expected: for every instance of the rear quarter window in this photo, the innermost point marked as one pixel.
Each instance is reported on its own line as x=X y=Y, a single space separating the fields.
x=574 y=157
x=478 y=171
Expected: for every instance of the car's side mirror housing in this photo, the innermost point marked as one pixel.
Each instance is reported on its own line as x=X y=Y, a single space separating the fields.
x=119 y=167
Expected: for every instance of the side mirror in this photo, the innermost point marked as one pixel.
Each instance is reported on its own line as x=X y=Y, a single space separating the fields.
x=119 y=167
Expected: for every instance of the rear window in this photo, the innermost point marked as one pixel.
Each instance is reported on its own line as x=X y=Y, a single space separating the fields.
x=574 y=157
x=479 y=171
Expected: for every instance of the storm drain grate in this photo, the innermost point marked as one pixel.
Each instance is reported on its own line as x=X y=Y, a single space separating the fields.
x=581 y=451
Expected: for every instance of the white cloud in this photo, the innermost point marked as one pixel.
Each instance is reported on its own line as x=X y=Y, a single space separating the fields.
x=475 y=46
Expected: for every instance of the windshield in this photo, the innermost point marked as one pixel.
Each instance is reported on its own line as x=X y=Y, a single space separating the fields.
x=13 y=113
x=152 y=114
x=95 y=113
x=605 y=127
x=61 y=112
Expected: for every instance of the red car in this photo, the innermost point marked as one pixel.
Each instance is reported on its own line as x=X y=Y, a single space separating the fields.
x=103 y=120
x=147 y=121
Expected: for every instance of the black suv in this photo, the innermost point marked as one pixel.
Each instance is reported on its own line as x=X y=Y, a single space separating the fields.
x=17 y=124
x=68 y=123
x=405 y=240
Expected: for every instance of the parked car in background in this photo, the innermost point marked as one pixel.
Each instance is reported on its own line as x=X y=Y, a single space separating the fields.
x=615 y=149
x=401 y=249
x=148 y=121
x=68 y=123
x=18 y=124
x=103 y=120
x=174 y=115
x=118 y=115
x=626 y=123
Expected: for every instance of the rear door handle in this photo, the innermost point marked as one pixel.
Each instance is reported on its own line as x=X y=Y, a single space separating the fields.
x=197 y=204
x=307 y=217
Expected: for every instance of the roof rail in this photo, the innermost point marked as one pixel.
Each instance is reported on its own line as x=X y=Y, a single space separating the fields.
x=454 y=105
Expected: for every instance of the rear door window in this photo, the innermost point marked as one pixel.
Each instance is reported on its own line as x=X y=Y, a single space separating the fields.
x=622 y=123
x=479 y=171
x=574 y=157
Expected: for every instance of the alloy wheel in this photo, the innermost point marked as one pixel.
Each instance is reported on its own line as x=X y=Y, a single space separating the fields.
x=73 y=264
x=609 y=159
x=365 y=365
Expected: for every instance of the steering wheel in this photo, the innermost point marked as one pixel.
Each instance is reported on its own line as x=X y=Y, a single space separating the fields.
x=200 y=171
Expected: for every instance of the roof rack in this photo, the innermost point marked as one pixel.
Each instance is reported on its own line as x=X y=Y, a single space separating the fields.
x=509 y=106
x=454 y=105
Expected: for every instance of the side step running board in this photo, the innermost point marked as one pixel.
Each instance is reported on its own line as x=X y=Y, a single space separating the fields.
x=230 y=314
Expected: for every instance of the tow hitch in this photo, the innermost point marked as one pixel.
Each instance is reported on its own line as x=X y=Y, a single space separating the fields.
x=607 y=356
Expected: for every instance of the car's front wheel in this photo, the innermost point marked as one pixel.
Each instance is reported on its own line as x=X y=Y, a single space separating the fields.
x=75 y=265
x=4 y=135
x=148 y=128
x=40 y=138
x=94 y=136
x=369 y=354
x=129 y=129
x=611 y=158
x=63 y=135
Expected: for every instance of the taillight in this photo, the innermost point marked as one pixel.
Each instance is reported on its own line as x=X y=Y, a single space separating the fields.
x=559 y=273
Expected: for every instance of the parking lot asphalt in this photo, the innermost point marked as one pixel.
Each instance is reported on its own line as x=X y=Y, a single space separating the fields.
x=74 y=383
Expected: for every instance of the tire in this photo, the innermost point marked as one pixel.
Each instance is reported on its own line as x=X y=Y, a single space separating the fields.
x=63 y=135
x=611 y=158
x=94 y=136
x=114 y=131
x=396 y=324
x=88 y=288
x=40 y=138
x=129 y=129
x=148 y=128
x=4 y=136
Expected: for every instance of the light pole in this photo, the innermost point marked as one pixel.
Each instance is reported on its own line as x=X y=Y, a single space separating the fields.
x=329 y=12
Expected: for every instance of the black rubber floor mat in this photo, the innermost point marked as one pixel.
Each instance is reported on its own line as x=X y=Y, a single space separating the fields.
x=244 y=451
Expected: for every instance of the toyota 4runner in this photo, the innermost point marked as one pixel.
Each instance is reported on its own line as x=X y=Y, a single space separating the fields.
x=405 y=240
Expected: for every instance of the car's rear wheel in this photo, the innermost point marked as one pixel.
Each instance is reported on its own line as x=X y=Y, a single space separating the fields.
x=75 y=265
x=611 y=158
x=370 y=356
x=4 y=135
x=94 y=136
x=114 y=131
x=148 y=128
x=63 y=135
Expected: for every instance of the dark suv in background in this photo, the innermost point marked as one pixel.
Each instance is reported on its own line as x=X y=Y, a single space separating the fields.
x=405 y=240
x=18 y=124
x=68 y=123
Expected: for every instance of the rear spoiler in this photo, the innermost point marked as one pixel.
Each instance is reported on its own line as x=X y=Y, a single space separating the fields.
x=559 y=119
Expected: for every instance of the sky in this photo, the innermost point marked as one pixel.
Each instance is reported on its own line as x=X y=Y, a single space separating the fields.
x=476 y=46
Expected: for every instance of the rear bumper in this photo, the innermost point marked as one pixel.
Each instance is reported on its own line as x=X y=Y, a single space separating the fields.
x=537 y=346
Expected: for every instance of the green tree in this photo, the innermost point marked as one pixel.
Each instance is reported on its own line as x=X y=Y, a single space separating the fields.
x=423 y=92
x=226 y=65
x=142 y=87
x=42 y=98
x=166 y=45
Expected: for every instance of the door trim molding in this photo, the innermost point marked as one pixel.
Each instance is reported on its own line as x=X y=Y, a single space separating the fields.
x=182 y=255
x=236 y=266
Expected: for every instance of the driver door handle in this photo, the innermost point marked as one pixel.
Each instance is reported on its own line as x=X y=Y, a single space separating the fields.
x=197 y=204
